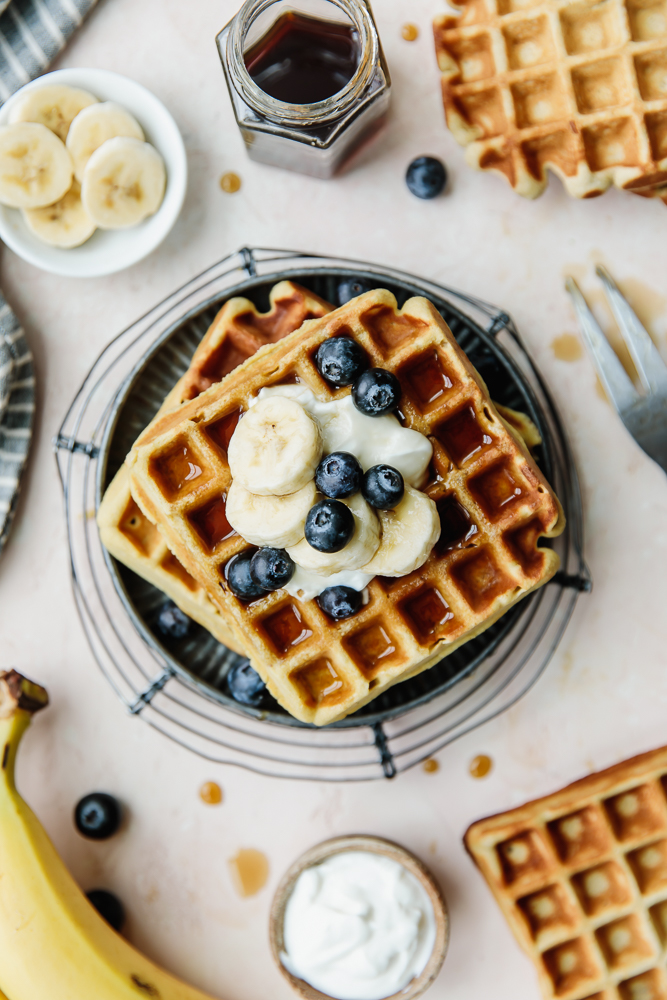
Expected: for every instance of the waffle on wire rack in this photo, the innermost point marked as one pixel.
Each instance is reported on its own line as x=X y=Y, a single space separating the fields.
x=494 y=507
x=581 y=877
x=576 y=88
x=236 y=333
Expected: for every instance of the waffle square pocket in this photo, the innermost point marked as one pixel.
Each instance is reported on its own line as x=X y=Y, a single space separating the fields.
x=581 y=877
x=493 y=505
x=578 y=88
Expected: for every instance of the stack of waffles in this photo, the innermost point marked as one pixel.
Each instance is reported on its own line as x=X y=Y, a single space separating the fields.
x=236 y=333
x=581 y=877
x=493 y=503
x=578 y=88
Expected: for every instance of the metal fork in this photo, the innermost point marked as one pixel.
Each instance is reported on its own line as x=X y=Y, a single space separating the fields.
x=644 y=414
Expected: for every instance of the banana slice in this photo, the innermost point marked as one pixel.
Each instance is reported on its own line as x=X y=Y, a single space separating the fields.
x=361 y=547
x=93 y=126
x=409 y=532
x=54 y=106
x=63 y=224
x=35 y=167
x=277 y=521
x=276 y=447
x=123 y=183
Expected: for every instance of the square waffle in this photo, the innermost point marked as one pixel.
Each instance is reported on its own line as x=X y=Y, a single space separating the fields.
x=578 y=88
x=237 y=331
x=581 y=876
x=493 y=502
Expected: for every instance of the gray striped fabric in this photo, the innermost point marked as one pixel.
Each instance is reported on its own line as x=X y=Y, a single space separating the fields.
x=16 y=420
x=32 y=33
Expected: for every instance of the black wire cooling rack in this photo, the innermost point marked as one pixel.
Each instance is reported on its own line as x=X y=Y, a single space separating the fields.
x=181 y=690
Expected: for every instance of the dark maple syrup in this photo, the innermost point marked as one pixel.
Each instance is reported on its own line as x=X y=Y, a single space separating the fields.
x=222 y=430
x=211 y=522
x=286 y=628
x=303 y=60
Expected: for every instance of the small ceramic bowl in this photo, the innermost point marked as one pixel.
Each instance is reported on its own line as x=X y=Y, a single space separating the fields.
x=107 y=250
x=374 y=845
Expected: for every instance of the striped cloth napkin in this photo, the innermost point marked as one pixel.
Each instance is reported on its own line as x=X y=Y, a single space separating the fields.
x=32 y=33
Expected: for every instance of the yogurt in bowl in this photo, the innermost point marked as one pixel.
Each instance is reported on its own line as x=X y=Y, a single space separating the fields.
x=359 y=918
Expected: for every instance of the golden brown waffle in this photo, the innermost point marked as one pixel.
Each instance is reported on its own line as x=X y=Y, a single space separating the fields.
x=578 y=88
x=237 y=331
x=581 y=876
x=493 y=502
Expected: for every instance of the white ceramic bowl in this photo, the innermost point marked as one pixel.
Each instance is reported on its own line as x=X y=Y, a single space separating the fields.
x=107 y=250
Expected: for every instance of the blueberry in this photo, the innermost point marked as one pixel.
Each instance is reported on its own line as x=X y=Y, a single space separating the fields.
x=239 y=578
x=271 y=568
x=172 y=622
x=338 y=475
x=329 y=526
x=339 y=602
x=383 y=487
x=349 y=288
x=245 y=685
x=97 y=816
x=426 y=177
x=340 y=360
x=376 y=392
x=108 y=906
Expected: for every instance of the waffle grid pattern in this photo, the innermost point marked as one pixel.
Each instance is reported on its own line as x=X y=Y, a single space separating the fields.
x=494 y=505
x=236 y=333
x=581 y=876
x=579 y=88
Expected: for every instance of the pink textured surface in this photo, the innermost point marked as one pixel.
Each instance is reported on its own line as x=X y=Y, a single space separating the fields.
x=603 y=698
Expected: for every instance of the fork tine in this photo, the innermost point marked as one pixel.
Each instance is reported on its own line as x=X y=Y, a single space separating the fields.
x=650 y=367
x=612 y=374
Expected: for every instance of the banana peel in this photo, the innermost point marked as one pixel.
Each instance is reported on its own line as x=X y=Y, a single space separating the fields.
x=54 y=945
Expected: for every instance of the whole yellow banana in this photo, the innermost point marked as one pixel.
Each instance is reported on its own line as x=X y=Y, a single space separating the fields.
x=53 y=943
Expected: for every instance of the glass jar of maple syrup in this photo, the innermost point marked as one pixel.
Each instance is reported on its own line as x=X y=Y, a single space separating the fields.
x=307 y=78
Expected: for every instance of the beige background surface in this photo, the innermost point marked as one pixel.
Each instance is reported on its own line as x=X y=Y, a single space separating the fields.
x=604 y=696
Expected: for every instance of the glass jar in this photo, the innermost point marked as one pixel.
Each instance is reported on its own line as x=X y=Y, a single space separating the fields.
x=312 y=138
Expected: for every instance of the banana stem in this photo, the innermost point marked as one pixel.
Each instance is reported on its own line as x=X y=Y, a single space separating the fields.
x=19 y=700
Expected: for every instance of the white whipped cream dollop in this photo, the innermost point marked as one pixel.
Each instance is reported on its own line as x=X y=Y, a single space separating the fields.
x=358 y=926
x=372 y=440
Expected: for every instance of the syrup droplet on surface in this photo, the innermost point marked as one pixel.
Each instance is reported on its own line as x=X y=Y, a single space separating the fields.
x=211 y=793
x=230 y=183
x=567 y=347
x=480 y=766
x=431 y=766
x=410 y=32
x=250 y=871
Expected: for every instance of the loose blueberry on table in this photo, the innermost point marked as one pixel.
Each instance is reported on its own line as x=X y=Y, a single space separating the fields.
x=245 y=685
x=339 y=602
x=271 y=568
x=383 y=487
x=172 y=622
x=340 y=360
x=97 y=815
x=426 y=177
x=376 y=392
x=108 y=906
x=329 y=526
x=239 y=578
x=338 y=475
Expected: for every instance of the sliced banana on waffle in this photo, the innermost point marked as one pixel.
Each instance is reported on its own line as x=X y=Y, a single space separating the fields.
x=63 y=224
x=94 y=126
x=276 y=447
x=54 y=106
x=123 y=183
x=409 y=532
x=278 y=521
x=361 y=547
x=35 y=167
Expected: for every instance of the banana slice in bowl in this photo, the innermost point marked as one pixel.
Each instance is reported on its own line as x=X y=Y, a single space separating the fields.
x=130 y=112
x=35 y=167
x=123 y=183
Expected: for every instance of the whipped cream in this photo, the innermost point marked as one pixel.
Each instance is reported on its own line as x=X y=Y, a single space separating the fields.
x=307 y=584
x=372 y=440
x=358 y=926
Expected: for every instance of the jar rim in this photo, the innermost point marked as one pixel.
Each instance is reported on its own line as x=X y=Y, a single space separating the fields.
x=319 y=112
